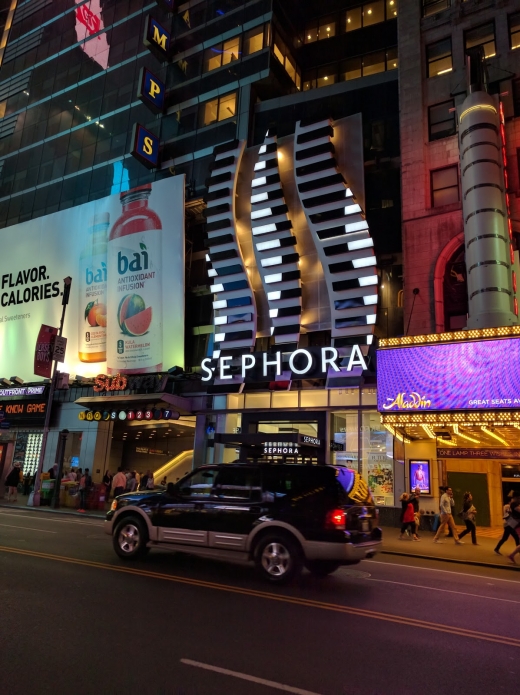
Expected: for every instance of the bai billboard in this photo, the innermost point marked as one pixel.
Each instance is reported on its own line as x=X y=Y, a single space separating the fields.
x=125 y=254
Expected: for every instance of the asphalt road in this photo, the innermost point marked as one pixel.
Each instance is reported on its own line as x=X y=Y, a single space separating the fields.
x=74 y=619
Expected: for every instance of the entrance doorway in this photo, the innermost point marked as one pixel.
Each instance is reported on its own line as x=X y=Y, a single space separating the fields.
x=477 y=484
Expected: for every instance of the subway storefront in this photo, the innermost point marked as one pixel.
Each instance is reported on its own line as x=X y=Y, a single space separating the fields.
x=452 y=403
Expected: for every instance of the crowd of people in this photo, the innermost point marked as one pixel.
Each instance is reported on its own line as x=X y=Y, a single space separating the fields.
x=127 y=481
x=411 y=519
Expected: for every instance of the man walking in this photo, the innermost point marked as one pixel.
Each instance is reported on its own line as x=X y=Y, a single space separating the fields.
x=119 y=482
x=446 y=505
x=85 y=484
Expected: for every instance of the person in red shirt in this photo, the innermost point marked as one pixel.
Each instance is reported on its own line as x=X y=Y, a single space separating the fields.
x=407 y=517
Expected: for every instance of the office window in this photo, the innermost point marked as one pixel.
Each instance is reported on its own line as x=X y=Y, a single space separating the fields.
x=438 y=58
x=217 y=109
x=373 y=13
x=351 y=69
x=281 y=52
x=373 y=63
x=230 y=50
x=514 y=30
x=354 y=19
x=319 y=29
x=444 y=186
x=391 y=9
x=221 y=54
x=434 y=6
x=482 y=36
x=441 y=120
x=326 y=75
x=254 y=40
x=392 y=62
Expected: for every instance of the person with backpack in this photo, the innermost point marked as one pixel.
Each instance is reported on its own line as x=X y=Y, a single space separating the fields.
x=468 y=515
x=85 y=484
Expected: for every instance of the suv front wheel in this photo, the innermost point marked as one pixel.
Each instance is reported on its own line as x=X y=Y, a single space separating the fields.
x=130 y=538
x=278 y=558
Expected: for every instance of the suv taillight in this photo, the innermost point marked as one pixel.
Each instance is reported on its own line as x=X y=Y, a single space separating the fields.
x=335 y=520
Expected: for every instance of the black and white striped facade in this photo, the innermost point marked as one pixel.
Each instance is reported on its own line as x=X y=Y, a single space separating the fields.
x=340 y=232
x=275 y=246
x=234 y=304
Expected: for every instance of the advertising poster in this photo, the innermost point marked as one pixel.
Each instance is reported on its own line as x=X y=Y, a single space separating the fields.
x=380 y=477
x=125 y=255
x=420 y=476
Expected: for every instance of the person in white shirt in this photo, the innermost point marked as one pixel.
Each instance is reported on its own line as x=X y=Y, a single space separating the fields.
x=119 y=482
x=446 y=505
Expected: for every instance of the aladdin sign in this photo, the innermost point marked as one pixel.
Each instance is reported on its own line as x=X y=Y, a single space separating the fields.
x=309 y=363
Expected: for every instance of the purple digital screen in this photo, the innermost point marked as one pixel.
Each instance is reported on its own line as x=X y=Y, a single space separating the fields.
x=420 y=476
x=458 y=376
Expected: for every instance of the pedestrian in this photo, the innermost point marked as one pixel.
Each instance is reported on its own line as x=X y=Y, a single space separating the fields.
x=12 y=480
x=85 y=484
x=511 y=523
x=73 y=475
x=27 y=484
x=119 y=482
x=138 y=478
x=414 y=499
x=164 y=481
x=143 y=480
x=150 y=483
x=407 y=517
x=446 y=517
x=107 y=482
x=469 y=515
x=515 y=552
x=131 y=485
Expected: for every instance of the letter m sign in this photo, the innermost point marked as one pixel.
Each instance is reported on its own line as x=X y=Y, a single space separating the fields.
x=157 y=39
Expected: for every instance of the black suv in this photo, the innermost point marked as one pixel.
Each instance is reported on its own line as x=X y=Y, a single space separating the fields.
x=280 y=517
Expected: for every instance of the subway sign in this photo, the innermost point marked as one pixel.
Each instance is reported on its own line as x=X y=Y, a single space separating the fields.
x=145 y=146
x=306 y=363
x=157 y=39
x=151 y=91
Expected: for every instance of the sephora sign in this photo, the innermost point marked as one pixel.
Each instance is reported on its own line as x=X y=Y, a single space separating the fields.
x=302 y=363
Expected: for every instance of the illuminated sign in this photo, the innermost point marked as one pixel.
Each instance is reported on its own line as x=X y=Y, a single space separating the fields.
x=43 y=349
x=478 y=375
x=145 y=146
x=420 y=476
x=151 y=91
x=89 y=23
x=281 y=448
x=157 y=39
x=122 y=382
x=139 y=415
x=19 y=412
x=23 y=391
x=311 y=362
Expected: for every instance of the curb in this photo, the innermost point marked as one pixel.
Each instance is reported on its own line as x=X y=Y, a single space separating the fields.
x=476 y=563
x=53 y=511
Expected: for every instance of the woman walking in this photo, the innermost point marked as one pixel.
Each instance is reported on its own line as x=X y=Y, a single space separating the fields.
x=469 y=515
x=511 y=523
x=12 y=480
x=407 y=517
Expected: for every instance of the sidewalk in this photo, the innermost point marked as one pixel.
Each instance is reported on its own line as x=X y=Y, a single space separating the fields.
x=21 y=504
x=481 y=555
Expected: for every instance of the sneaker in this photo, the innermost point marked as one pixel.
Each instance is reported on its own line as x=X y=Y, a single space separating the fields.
x=459 y=542
x=512 y=558
x=497 y=551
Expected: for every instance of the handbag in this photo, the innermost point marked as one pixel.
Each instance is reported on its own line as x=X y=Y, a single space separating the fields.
x=510 y=521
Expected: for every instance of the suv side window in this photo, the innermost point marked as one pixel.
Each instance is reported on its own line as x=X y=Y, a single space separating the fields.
x=308 y=487
x=239 y=484
x=200 y=484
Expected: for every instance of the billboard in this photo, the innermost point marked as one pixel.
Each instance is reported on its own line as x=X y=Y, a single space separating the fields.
x=125 y=254
x=478 y=375
x=420 y=476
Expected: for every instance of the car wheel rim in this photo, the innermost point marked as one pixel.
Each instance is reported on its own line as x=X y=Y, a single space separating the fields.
x=276 y=559
x=129 y=538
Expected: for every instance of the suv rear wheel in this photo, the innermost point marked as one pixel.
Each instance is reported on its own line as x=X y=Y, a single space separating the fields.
x=130 y=538
x=278 y=558
x=321 y=568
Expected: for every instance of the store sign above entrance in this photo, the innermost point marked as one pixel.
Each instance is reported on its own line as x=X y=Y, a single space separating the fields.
x=305 y=363
x=457 y=452
x=471 y=375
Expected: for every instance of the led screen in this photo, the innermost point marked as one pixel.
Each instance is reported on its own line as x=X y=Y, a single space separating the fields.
x=125 y=255
x=459 y=376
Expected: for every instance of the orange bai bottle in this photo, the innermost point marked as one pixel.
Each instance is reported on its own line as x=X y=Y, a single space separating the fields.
x=92 y=334
x=135 y=332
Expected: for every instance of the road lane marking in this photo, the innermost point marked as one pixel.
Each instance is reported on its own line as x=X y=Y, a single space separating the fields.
x=447 y=591
x=56 y=521
x=281 y=598
x=246 y=677
x=28 y=528
x=433 y=569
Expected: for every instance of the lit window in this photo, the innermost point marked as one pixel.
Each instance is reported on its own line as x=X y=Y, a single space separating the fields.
x=278 y=53
x=327 y=28
x=391 y=9
x=253 y=41
x=351 y=69
x=230 y=51
x=373 y=13
x=326 y=75
x=354 y=19
x=441 y=120
x=514 y=30
x=218 y=109
x=212 y=58
x=227 y=106
x=311 y=33
x=444 y=186
x=482 y=36
x=439 y=58
x=209 y=112
x=373 y=63
x=392 y=62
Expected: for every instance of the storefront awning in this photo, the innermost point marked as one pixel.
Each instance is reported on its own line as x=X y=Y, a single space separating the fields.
x=154 y=400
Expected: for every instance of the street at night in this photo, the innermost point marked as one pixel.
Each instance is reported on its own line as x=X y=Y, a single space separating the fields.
x=76 y=619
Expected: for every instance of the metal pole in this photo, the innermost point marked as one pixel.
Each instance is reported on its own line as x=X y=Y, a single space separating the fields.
x=60 y=457
x=64 y=301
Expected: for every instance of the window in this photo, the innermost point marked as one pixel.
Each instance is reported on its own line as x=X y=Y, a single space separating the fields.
x=482 y=36
x=239 y=484
x=323 y=28
x=199 y=484
x=326 y=75
x=354 y=19
x=218 y=109
x=434 y=6
x=221 y=54
x=373 y=63
x=438 y=58
x=514 y=30
x=392 y=62
x=441 y=120
x=445 y=186
x=391 y=9
x=282 y=54
x=351 y=69
x=373 y=13
x=254 y=40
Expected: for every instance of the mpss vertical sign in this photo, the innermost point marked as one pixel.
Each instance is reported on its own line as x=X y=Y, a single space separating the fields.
x=43 y=351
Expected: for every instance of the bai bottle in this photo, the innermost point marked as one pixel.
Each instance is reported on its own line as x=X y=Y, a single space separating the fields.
x=92 y=336
x=135 y=336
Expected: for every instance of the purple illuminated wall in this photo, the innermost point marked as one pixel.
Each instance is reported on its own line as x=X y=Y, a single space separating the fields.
x=461 y=376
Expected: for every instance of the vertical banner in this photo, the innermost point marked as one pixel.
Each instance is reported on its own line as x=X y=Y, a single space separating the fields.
x=43 y=351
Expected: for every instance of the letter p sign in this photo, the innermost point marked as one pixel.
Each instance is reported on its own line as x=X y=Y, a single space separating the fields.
x=151 y=91
x=145 y=146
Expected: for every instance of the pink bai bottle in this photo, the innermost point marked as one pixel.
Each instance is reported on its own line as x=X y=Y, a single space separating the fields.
x=135 y=329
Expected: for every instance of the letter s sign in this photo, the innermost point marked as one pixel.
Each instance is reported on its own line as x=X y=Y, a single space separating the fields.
x=145 y=146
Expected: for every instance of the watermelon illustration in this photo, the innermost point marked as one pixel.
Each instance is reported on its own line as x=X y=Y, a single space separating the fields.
x=139 y=323
x=129 y=306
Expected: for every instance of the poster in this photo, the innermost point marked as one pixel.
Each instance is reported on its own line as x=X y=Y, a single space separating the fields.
x=125 y=255
x=380 y=477
x=420 y=476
